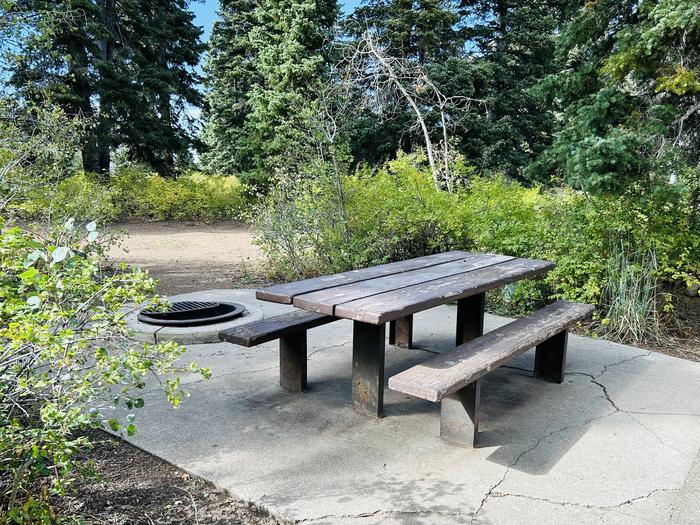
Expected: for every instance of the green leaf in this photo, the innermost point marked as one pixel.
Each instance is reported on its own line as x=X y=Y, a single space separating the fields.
x=28 y=274
x=60 y=253
x=34 y=301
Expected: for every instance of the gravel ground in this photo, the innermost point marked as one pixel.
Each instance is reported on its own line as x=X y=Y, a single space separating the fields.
x=188 y=256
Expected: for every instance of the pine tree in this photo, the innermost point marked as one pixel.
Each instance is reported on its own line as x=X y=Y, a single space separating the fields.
x=156 y=127
x=513 y=48
x=496 y=51
x=55 y=61
x=126 y=66
x=230 y=76
x=629 y=93
x=424 y=31
x=279 y=56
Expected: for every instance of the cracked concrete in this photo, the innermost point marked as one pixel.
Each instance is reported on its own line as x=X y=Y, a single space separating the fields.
x=617 y=443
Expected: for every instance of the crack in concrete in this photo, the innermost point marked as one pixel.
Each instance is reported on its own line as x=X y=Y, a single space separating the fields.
x=381 y=512
x=610 y=365
x=601 y=508
x=492 y=491
x=594 y=379
x=606 y=394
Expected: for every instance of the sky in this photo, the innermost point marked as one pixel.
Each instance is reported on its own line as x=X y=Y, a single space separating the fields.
x=205 y=12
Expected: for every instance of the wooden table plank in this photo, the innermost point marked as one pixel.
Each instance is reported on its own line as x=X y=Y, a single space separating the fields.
x=325 y=301
x=285 y=293
x=392 y=305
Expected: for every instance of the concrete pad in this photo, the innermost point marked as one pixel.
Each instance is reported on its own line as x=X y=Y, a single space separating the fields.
x=617 y=442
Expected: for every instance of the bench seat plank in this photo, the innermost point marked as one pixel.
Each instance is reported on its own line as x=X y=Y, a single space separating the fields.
x=395 y=304
x=451 y=371
x=285 y=293
x=325 y=301
x=272 y=328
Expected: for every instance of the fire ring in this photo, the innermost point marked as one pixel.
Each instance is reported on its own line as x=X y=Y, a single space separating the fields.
x=192 y=313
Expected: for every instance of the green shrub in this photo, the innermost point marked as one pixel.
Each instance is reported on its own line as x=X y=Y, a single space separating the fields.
x=133 y=192
x=66 y=359
x=194 y=196
x=79 y=196
x=397 y=214
x=307 y=229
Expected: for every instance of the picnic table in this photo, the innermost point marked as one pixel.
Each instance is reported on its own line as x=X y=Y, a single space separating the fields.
x=392 y=293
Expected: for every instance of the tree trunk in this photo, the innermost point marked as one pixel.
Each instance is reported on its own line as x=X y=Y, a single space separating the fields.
x=104 y=130
x=168 y=160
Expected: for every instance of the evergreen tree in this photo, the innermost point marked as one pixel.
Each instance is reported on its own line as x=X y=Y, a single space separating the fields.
x=279 y=51
x=425 y=31
x=492 y=50
x=629 y=92
x=156 y=127
x=512 y=44
x=230 y=76
x=126 y=66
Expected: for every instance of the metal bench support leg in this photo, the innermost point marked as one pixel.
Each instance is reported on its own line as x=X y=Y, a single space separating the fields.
x=368 y=345
x=459 y=415
x=550 y=357
x=401 y=332
x=293 y=362
x=470 y=318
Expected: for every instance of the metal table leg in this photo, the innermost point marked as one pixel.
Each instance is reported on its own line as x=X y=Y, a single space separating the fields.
x=401 y=332
x=470 y=318
x=368 y=345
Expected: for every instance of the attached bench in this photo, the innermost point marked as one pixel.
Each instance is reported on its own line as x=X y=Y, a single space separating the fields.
x=454 y=378
x=290 y=328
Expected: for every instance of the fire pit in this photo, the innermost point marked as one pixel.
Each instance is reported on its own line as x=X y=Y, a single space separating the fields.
x=195 y=317
x=192 y=313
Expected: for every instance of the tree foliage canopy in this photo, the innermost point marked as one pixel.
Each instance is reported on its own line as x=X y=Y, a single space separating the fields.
x=126 y=66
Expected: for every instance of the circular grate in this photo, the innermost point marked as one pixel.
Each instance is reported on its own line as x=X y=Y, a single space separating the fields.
x=192 y=313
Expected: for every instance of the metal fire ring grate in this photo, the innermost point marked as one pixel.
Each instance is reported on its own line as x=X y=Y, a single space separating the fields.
x=192 y=313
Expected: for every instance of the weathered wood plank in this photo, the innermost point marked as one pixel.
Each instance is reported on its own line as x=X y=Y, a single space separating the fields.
x=325 y=301
x=284 y=293
x=391 y=305
x=453 y=370
x=272 y=328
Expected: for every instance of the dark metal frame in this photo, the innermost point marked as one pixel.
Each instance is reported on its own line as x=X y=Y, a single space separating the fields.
x=470 y=318
x=401 y=332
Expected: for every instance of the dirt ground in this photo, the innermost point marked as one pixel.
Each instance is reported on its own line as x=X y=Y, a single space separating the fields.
x=188 y=256
x=136 y=488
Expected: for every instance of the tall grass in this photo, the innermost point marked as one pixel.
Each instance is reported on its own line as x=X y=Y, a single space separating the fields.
x=631 y=296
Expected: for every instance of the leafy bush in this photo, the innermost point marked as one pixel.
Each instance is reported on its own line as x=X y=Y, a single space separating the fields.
x=66 y=359
x=194 y=196
x=396 y=214
x=37 y=149
x=132 y=192
x=79 y=195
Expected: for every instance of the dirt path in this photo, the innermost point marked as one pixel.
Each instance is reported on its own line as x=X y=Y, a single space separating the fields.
x=187 y=256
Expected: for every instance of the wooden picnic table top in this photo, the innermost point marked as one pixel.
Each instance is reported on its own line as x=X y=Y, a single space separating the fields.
x=388 y=292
